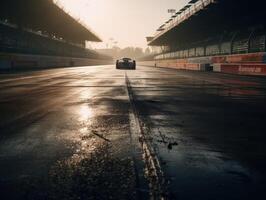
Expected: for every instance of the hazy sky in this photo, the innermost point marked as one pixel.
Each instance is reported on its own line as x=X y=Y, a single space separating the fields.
x=127 y=21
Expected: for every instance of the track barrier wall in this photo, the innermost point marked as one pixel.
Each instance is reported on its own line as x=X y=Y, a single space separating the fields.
x=244 y=64
x=22 y=61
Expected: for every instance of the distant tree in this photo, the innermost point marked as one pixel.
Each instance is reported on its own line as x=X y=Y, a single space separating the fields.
x=147 y=51
x=138 y=52
x=130 y=52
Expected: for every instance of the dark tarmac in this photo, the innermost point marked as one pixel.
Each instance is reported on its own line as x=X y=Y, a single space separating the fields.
x=100 y=133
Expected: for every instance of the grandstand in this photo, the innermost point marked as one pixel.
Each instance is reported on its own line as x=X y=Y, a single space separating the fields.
x=219 y=35
x=29 y=28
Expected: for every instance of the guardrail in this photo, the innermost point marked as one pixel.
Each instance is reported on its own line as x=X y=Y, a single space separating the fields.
x=235 y=45
x=13 y=40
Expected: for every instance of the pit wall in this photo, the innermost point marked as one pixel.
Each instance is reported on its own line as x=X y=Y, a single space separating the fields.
x=22 y=61
x=244 y=64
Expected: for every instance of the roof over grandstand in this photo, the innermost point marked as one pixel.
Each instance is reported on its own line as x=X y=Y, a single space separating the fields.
x=45 y=16
x=200 y=19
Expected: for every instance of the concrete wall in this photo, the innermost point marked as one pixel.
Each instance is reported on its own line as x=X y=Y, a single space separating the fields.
x=21 y=61
x=244 y=64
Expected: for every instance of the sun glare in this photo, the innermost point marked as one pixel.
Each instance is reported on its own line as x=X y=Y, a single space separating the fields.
x=126 y=21
x=85 y=112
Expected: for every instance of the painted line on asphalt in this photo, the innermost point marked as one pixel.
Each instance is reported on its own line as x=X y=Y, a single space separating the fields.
x=154 y=173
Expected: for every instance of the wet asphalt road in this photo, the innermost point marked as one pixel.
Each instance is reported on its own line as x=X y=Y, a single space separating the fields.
x=81 y=133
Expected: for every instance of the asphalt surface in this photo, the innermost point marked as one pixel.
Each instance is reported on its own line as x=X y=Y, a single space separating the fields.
x=100 y=133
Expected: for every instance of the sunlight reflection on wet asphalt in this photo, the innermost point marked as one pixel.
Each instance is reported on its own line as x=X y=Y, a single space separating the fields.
x=65 y=133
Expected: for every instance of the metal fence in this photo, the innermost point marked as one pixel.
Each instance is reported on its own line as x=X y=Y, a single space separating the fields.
x=14 y=40
x=238 y=43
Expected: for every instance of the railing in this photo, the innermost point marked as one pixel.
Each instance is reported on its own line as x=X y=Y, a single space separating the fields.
x=39 y=33
x=237 y=45
x=75 y=17
x=13 y=40
x=196 y=7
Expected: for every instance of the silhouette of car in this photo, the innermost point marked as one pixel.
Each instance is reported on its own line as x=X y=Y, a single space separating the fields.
x=126 y=63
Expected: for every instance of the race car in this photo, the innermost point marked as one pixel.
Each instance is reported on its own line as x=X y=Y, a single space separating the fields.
x=126 y=63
